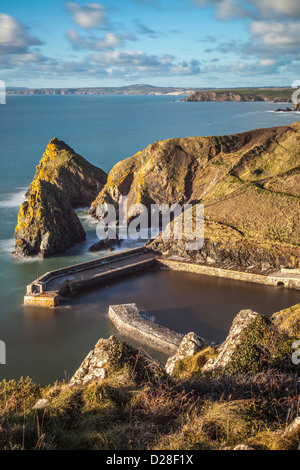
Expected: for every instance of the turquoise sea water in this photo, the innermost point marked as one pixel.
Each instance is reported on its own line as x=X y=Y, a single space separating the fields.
x=104 y=129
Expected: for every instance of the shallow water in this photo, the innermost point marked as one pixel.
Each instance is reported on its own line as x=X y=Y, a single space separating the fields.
x=104 y=129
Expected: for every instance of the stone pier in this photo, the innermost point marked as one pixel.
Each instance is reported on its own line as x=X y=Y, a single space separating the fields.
x=132 y=324
x=51 y=288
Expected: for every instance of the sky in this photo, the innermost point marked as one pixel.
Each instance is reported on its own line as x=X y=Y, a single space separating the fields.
x=178 y=43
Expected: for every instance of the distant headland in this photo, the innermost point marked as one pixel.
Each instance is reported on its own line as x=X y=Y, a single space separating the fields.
x=276 y=94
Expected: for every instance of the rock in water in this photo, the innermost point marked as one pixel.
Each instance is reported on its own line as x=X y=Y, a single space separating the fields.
x=107 y=244
x=76 y=177
x=47 y=223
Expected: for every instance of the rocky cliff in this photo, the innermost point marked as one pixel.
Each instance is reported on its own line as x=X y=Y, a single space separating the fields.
x=47 y=223
x=240 y=95
x=76 y=177
x=223 y=96
x=248 y=182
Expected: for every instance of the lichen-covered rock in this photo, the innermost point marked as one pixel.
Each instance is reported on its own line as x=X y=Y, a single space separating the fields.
x=189 y=346
x=47 y=223
x=76 y=177
x=243 y=320
x=110 y=355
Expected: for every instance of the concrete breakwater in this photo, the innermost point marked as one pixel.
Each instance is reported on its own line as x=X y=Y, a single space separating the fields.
x=131 y=323
x=49 y=290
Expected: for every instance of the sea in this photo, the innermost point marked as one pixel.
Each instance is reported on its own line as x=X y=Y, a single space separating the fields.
x=49 y=344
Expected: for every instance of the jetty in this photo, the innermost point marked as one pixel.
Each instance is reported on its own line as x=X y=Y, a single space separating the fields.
x=51 y=289
x=129 y=321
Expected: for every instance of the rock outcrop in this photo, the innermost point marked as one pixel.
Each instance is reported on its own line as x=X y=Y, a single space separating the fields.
x=281 y=110
x=47 y=223
x=107 y=244
x=243 y=320
x=240 y=95
x=189 y=346
x=288 y=320
x=249 y=184
x=296 y=107
x=76 y=177
x=230 y=95
x=109 y=356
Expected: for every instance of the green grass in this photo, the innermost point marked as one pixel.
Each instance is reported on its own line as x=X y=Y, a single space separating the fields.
x=123 y=412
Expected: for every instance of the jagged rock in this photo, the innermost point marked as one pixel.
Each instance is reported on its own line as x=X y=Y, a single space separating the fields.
x=243 y=320
x=76 y=177
x=246 y=182
x=189 y=346
x=285 y=110
x=110 y=355
x=108 y=244
x=47 y=223
x=296 y=107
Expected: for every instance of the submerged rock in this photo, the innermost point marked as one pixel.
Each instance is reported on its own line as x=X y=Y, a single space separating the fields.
x=76 y=177
x=47 y=223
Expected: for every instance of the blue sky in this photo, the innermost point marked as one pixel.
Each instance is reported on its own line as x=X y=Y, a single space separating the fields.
x=189 y=43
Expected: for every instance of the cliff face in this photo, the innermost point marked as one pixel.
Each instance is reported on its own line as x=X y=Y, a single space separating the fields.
x=47 y=223
x=224 y=96
x=277 y=95
x=76 y=177
x=249 y=184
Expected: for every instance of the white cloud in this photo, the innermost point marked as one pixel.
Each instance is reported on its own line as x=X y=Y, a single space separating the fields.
x=279 y=37
x=255 y=9
x=271 y=8
x=89 y=16
x=14 y=38
x=110 y=41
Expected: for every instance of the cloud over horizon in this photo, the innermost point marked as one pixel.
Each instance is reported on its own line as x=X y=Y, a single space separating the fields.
x=219 y=40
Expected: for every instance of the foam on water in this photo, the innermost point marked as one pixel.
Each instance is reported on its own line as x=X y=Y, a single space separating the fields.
x=14 y=199
x=7 y=246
